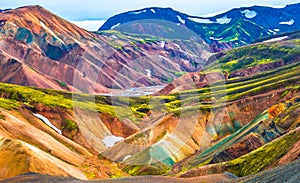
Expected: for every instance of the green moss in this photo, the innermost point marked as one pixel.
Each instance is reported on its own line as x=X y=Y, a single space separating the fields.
x=61 y=83
x=140 y=170
x=69 y=125
x=90 y=175
x=2 y=117
x=9 y=104
x=264 y=156
x=283 y=94
x=258 y=54
x=30 y=95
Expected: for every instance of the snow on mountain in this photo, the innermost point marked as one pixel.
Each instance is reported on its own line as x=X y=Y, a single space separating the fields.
x=290 y=22
x=201 y=20
x=180 y=19
x=249 y=14
x=224 y=20
x=110 y=141
x=47 y=122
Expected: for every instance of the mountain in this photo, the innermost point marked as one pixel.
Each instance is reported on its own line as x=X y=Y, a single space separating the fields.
x=228 y=116
x=228 y=125
x=41 y=49
x=237 y=27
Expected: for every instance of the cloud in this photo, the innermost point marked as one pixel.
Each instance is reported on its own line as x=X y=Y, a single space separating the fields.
x=90 y=25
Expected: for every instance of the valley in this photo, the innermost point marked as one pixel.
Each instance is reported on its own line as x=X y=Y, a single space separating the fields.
x=132 y=103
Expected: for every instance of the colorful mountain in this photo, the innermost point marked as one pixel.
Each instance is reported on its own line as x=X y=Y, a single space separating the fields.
x=41 y=49
x=228 y=116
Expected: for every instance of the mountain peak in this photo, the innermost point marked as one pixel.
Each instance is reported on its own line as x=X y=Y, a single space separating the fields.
x=35 y=18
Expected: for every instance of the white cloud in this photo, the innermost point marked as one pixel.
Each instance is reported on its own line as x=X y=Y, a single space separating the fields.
x=90 y=25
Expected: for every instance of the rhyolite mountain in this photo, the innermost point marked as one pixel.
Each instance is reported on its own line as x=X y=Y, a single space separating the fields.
x=237 y=27
x=38 y=48
x=237 y=127
x=237 y=120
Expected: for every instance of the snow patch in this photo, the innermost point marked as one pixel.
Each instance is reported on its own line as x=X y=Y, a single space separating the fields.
x=114 y=26
x=276 y=30
x=201 y=20
x=50 y=31
x=114 y=37
x=110 y=141
x=224 y=20
x=47 y=122
x=290 y=22
x=126 y=157
x=180 y=19
x=216 y=39
x=148 y=72
x=138 y=12
x=162 y=44
x=276 y=39
x=249 y=13
x=153 y=11
x=272 y=31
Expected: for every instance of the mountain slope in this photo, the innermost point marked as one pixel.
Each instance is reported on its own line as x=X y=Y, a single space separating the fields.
x=71 y=58
x=158 y=135
x=234 y=28
x=19 y=157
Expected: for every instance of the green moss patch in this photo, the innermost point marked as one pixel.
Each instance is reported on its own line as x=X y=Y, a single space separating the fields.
x=9 y=104
x=264 y=156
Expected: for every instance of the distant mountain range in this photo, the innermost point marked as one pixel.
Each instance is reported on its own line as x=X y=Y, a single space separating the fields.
x=237 y=27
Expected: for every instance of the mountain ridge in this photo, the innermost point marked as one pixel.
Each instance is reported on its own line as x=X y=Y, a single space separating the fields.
x=265 y=21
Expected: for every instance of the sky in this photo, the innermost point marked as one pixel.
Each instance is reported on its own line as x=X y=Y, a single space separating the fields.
x=80 y=10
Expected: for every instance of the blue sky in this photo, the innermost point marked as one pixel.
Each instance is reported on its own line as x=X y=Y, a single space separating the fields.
x=91 y=14
x=78 y=10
